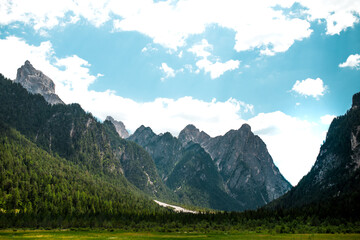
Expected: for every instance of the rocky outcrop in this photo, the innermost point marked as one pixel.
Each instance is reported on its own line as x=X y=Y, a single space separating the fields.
x=242 y=159
x=35 y=82
x=119 y=126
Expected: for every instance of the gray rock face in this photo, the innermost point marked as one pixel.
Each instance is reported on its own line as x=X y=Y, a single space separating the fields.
x=248 y=171
x=35 y=82
x=191 y=133
x=246 y=175
x=119 y=126
x=165 y=149
x=187 y=170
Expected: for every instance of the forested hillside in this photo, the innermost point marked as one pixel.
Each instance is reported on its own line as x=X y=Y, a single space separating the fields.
x=73 y=134
x=43 y=187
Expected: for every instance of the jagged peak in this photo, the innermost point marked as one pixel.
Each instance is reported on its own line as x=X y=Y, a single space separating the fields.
x=36 y=82
x=109 y=118
x=27 y=63
x=143 y=129
x=245 y=127
x=119 y=126
x=191 y=133
x=191 y=127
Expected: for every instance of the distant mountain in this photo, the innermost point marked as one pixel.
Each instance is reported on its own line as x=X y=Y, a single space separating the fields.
x=333 y=181
x=37 y=83
x=187 y=170
x=119 y=126
x=242 y=159
x=238 y=169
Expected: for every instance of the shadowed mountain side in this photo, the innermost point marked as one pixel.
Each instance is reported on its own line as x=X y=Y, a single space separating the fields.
x=334 y=179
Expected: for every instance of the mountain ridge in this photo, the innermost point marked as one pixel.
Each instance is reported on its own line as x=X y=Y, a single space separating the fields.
x=248 y=184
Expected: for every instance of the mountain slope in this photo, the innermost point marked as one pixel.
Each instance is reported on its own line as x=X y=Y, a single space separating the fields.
x=196 y=180
x=335 y=176
x=165 y=149
x=71 y=133
x=34 y=182
x=137 y=165
x=242 y=159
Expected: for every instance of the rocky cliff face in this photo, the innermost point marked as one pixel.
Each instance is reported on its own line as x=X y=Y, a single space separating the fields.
x=191 y=133
x=242 y=159
x=186 y=169
x=247 y=176
x=165 y=149
x=35 y=82
x=119 y=126
x=336 y=172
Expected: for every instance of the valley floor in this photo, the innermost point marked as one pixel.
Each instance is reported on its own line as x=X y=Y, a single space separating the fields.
x=68 y=234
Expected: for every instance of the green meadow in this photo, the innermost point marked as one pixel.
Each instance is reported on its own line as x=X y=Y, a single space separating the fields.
x=67 y=234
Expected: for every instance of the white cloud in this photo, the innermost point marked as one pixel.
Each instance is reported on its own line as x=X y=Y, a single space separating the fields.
x=353 y=61
x=257 y=24
x=338 y=15
x=327 y=119
x=310 y=87
x=170 y=23
x=201 y=49
x=149 y=48
x=180 y=54
x=293 y=143
x=169 y=72
x=215 y=69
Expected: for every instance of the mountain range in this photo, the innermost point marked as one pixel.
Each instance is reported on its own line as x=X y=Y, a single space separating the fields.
x=235 y=167
x=59 y=158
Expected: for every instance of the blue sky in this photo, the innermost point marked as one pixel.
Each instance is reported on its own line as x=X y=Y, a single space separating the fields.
x=285 y=67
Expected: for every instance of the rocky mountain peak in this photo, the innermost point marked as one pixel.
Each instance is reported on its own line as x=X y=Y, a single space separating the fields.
x=356 y=101
x=35 y=82
x=191 y=134
x=119 y=126
x=245 y=128
x=143 y=135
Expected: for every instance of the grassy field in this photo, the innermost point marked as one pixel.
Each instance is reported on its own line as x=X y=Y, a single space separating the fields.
x=66 y=234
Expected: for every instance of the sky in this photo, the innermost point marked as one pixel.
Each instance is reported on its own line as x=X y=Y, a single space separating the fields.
x=285 y=67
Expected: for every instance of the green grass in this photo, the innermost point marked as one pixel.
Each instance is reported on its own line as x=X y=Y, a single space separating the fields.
x=67 y=234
